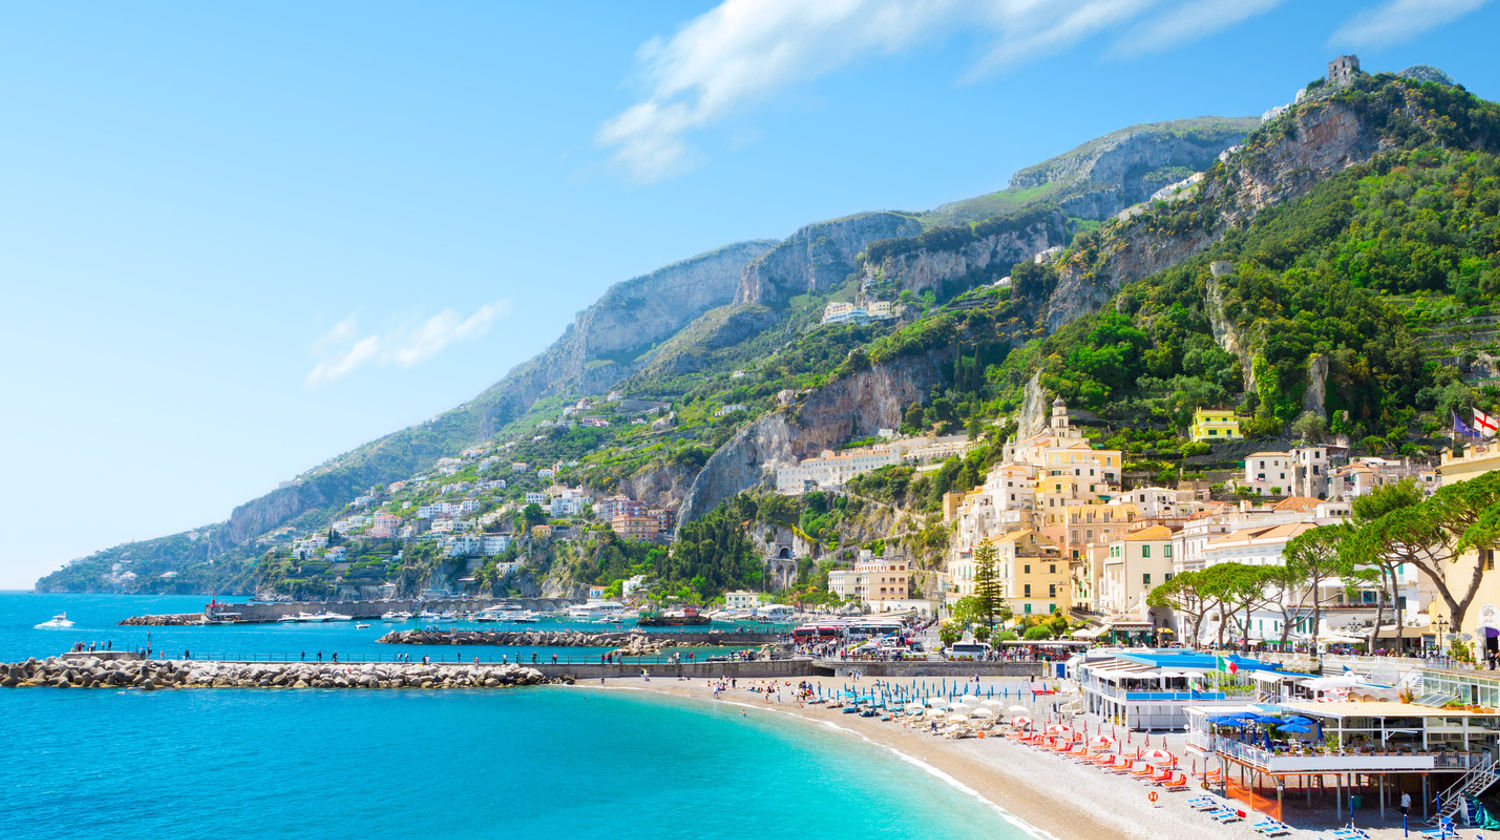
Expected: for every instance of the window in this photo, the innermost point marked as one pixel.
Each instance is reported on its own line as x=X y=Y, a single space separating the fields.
x=1026 y=569
x=1145 y=551
x=1051 y=608
x=1052 y=590
x=1166 y=551
x=1051 y=568
x=1028 y=609
x=1146 y=579
x=1166 y=577
x=1489 y=560
x=1027 y=592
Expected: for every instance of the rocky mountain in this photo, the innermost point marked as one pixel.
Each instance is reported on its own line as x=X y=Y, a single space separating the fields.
x=818 y=256
x=1107 y=174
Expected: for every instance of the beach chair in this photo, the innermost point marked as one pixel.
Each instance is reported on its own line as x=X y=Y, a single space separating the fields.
x=1212 y=775
x=1177 y=782
x=1224 y=816
x=1445 y=829
x=1124 y=766
x=1145 y=771
x=1161 y=778
x=1103 y=760
x=1204 y=803
x=1272 y=828
x=1352 y=833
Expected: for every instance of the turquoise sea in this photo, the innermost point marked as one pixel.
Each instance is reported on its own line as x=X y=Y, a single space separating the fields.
x=544 y=762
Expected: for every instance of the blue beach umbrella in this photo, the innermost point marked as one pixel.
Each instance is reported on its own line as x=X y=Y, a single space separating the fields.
x=1296 y=727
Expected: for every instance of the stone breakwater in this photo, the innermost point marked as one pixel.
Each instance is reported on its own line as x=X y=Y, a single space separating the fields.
x=92 y=672
x=549 y=638
x=178 y=620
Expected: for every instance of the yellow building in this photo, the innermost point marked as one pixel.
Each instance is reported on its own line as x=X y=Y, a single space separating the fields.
x=1484 y=611
x=1033 y=576
x=1213 y=424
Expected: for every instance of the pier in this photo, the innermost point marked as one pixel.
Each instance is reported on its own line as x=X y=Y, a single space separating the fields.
x=578 y=638
x=265 y=612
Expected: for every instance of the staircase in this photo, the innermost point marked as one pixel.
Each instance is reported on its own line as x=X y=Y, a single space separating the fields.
x=1454 y=800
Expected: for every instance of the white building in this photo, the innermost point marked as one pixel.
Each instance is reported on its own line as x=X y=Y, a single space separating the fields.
x=741 y=599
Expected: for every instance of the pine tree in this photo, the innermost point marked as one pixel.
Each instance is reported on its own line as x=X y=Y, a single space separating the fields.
x=987 y=582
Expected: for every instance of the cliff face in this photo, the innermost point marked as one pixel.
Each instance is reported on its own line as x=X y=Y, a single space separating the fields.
x=1107 y=174
x=816 y=257
x=1318 y=139
x=949 y=272
x=600 y=347
x=852 y=407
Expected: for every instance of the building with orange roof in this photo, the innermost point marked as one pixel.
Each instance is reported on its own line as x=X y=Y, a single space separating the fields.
x=1135 y=564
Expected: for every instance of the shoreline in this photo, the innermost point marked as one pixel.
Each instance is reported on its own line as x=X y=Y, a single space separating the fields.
x=1042 y=812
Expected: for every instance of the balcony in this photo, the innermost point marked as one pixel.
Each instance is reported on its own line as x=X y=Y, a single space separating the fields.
x=1288 y=761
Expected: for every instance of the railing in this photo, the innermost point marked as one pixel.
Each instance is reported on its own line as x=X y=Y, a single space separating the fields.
x=1338 y=761
x=1115 y=692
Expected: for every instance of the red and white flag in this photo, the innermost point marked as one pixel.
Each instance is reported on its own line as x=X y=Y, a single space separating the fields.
x=1486 y=424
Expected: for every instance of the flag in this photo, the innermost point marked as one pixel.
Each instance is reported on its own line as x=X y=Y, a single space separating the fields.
x=1486 y=424
x=1228 y=666
x=1462 y=428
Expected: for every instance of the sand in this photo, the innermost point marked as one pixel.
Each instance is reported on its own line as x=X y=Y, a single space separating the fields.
x=1052 y=795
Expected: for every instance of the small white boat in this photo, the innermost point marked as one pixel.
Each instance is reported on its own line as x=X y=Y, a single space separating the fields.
x=395 y=615
x=57 y=622
x=361 y=627
x=288 y=619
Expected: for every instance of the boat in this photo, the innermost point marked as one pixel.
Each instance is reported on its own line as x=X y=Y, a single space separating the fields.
x=57 y=622
x=361 y=627
x=505 y=613
x=595 y=610
x=395 y=615
x=289 y=619
x=687 y=617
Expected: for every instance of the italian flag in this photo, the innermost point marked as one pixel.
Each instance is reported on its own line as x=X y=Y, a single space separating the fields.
x=1226 y=665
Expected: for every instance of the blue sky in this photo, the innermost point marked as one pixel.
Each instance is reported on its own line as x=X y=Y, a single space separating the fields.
x=236 y=241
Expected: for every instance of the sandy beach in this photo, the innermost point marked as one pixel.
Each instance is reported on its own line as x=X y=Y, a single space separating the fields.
x=1048 y=793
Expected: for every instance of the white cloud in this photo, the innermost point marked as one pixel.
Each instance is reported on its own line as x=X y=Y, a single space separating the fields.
x=1187 y=21
x=1395 y=21
x=744 y=52
x=341 y=350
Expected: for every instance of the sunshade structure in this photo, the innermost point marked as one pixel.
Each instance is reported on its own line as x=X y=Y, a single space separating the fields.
x=1157 y=756
x=984 y=712
x=1021 y=722
x=1102 y=742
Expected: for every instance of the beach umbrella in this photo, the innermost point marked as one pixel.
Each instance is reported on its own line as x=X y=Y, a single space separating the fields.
x=1021 y=722
x=992 y=702
x=1102 y=742
x=960 y=707
x=1020 y=710
x=937 y=714
x=1296 y=727
x=958 y=718
x=1157 y=756
x=1299 y=720
x=1059 y=729
x=984 y=712
x=1271 y=719
x=939 y=703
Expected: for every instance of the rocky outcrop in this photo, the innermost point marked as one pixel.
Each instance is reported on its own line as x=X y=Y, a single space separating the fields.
x=1033 y=416
x=179 y=620
x=1224 y=330
x=851 y=407
x=1323 y=137
x=948 y=272
x=817 y=257
x=94 y=672
x=1315 y=398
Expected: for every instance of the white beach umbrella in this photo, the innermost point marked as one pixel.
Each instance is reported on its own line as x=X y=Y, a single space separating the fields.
x=1020 y=710
x=984 y=712
x=937 y=703
x=937 y=714
x=1020 y=722
x=916 y=706
x=960 y=708
x=993 y=701
x=958 y=718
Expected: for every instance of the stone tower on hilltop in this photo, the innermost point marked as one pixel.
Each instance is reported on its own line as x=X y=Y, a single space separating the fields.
x=1342 y=70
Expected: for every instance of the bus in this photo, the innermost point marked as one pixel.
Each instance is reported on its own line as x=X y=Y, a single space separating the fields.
x=968 y=650
x=824 y=632
x=874 y=629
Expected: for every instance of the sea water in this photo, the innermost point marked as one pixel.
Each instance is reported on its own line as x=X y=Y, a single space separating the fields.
x=96 y=619
x=543 y=762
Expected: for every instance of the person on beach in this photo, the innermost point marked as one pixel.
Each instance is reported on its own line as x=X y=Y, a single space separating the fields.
x=1405 y=804
x=304 y=656
x=320 y=656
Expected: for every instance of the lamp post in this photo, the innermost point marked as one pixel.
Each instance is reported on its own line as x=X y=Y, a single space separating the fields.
x=1441 y=624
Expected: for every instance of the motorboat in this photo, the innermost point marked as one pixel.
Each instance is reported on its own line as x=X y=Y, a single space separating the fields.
x=596 y=610
x=505 y=613
x=361 y=627
x=57 y=622
x=395 y=615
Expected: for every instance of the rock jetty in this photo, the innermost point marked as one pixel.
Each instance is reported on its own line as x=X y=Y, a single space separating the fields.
x=547 y=638
x=92 y=672
x=178 y=620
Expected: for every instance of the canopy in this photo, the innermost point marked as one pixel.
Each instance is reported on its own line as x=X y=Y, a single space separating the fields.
x=1157 y=756
x=1059 y=729
x=1020 y=721
x=1102 y=742
x=984 y=712
x=1295 y=727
